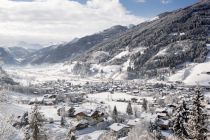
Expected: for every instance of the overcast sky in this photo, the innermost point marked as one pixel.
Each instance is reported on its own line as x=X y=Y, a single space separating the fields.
x=55 y=21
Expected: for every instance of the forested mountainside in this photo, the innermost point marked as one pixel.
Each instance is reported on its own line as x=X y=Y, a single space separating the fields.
x=168 y=41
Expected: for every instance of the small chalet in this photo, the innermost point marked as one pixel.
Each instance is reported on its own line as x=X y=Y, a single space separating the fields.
x=132 y=123
x=119 y=130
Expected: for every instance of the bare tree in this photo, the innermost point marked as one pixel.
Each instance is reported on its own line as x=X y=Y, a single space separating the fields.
x=108 y=136
x=3 y=96
x=71 y=134
x=6 y=129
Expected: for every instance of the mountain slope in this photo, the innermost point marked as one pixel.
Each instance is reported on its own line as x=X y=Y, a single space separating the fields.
x=5 y=79
x=15 y=53
x=19 y=53
x=60 y=53
x=156 y=46
x=6 y=57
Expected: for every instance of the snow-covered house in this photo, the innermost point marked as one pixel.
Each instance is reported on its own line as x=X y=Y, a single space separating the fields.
x=119 y=130
x=88 y=114
x=38 y=100
x=136 y=91
x=163 y=124
x=134 y=100
x=134 y=122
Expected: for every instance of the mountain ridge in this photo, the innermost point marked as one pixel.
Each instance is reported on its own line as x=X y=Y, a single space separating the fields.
x=63 y=52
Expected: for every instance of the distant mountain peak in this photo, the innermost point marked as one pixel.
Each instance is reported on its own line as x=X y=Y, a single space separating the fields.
x=27 y=45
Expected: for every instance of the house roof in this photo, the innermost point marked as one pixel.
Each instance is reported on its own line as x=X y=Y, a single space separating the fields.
x=162 y=114
x=117 y=127
x=160 y=110
x=87 y=112
x=163 y=122
x=133 y=122
x=38 y=99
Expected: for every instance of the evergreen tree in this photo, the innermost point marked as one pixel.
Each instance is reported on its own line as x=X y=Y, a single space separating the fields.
x=180 y=120
x=144 y=104
x=35 y=122
x=115 y=114
x=70 y=112
x=129 y=109
x=63 y=120
x=197 y=126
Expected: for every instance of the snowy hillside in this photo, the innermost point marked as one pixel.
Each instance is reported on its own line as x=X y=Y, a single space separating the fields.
x=195 y=74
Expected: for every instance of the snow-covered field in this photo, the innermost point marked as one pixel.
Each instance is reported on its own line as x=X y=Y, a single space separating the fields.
x=111 y=100
x=197 y=74
x=37 y=74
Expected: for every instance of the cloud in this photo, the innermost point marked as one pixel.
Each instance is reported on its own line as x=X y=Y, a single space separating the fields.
x=166 y=1
x=44 y=21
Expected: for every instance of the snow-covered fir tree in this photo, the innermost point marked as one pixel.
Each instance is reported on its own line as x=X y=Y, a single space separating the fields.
x=197 y=124
x=6 y=129
x=129 y=109
x=36 y=119
x=179 y=121
x=155 y=129
x=115 y=114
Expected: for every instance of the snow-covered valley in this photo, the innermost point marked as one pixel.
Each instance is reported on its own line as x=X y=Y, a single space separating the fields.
x=85 y=95
x=69 y=71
